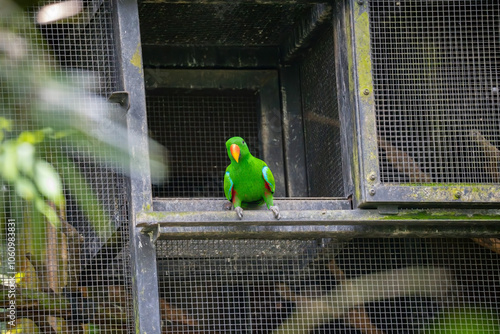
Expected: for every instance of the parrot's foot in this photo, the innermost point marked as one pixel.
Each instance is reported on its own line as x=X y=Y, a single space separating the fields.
x=239 y=211
x=276 y=211
x=228 y=206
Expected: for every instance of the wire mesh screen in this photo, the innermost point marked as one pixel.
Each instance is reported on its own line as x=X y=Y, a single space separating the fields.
x=435 y=71
x=224 y=23
x=321 y=118
x=194 y=126
x=64 y=261
x=359 y=285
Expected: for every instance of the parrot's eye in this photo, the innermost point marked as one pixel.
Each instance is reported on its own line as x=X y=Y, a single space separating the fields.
x=243 y=142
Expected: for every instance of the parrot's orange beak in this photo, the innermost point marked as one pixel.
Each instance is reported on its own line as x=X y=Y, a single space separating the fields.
x=235 y=151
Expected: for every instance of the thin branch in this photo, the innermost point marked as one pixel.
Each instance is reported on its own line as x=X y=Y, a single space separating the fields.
x=403 y=163
x=410 y=281
x=491 y=153
x=493 y=244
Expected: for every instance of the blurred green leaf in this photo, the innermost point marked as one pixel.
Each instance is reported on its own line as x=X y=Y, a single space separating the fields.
x=467 y=320
x=49 y=104
x=24 y=326
x=61 y=134
x=32 y=137
x=85 y=196
x=27 y=3
x=5 y=124
x=48 y=212
x=48 y=182
x=8 y=161
x=26 y=158
x=26 y=189
x=92 y=329
x=45 y=301
x=33 y=179
x=32 y=227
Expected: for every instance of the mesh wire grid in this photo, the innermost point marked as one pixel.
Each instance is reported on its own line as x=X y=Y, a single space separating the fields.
x=321 y=118
x=222 y=24
x=436 y=82
x=76 y=278
x=360 y=285
x=194 y=126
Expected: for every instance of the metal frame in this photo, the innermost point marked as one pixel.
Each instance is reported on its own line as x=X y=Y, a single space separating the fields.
x=309 y=224
x=143 y=255
x=369 y=191
x=243 y=1
x=344 y=54
x=293 y=132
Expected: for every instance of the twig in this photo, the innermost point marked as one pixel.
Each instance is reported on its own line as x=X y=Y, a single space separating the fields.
x=176 y=315
x=491 y=153
x=335 y=270
x=313 y=117
x=52 y=264
x=357 y=317
x=73 y=242
x=403 y=163
x=492 y=244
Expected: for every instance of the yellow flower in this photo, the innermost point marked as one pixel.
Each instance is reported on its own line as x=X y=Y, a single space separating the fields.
x=6 y=280
x=19 y=277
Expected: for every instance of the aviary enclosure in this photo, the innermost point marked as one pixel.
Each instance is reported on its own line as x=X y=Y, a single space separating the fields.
x=379 y=118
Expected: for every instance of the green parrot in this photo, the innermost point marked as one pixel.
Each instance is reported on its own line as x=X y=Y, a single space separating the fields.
x=248 y=180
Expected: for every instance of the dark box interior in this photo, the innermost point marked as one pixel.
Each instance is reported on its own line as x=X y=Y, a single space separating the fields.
x=296 y=131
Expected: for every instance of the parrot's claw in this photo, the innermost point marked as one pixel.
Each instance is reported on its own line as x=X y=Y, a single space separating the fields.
x=276 y=211
x=228 y=206
x=239 y=211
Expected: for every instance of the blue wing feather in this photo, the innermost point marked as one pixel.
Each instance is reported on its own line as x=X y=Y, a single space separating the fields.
x=269 y=178
x=228 y=186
